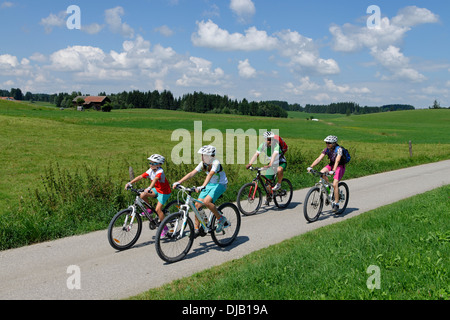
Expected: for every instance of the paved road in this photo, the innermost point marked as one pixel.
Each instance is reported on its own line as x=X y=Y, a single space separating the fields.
x=41 y=271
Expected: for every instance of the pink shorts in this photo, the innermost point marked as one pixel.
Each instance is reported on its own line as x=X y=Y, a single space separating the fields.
x=339 y=172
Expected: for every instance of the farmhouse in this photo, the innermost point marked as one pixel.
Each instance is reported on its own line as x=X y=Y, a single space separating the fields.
x=7 y=98
x=92 y=102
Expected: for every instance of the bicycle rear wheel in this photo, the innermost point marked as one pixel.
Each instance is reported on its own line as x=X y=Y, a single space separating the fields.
x=344 y=195
x=312 y=207
x=231 y=228
x=170 y=244
x=283 y=196
x=249 y=199
x=122 y=235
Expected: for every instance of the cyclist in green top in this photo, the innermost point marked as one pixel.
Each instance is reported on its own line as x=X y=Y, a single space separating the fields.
x=277 y=159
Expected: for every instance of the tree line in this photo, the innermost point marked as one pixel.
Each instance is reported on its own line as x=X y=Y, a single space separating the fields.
x=354 y=108
x=205 y=103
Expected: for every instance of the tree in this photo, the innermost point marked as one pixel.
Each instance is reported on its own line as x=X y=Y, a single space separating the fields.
x=436 y=105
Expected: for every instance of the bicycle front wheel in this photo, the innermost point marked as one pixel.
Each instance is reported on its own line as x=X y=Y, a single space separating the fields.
x=283 y=196
x=249 y=199
x=312 y=207
x=122 y=232
x=172 y=245
x=231 y=228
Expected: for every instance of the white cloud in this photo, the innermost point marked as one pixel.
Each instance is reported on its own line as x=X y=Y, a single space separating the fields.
x=303 y=54
x=209 y=35
x=198 y=72
x=397 y=64
x=92 y=28
x=6 y=4
x=383 y=41
x=412 y=16
x=8 y=61
x=53 y=21
x=246 y=70
x=113 y=18
x=76 y=58
x=243 y=8
x=165 y=31
x=350 y=38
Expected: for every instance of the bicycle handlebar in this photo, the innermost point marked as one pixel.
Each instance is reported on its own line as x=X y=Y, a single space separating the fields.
x=318 y=173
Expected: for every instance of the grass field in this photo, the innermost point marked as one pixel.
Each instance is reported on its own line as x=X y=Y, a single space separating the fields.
x=44 y=151
x=408 y=242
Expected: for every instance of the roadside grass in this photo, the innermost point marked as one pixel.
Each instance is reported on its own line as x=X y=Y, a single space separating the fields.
x=95 y=147
x=408 y=241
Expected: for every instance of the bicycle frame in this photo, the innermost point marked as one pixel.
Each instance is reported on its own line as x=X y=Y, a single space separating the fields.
x=190 y=204
x=139 y=203
x=259 y=178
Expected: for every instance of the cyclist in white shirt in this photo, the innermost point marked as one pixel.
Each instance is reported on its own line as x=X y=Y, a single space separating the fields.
x=213 y=187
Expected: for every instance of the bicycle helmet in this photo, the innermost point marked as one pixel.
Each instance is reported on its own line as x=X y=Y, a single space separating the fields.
x=208 y=151
x=268 y=135
x=331 y=139
x=157 y=158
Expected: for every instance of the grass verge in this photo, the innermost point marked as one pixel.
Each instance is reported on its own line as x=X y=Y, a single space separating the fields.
x=408 y=241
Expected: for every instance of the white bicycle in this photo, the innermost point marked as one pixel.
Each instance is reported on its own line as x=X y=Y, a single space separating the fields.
x=176 y=233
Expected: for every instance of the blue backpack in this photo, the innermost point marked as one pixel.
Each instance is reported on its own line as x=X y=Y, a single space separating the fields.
x=345 y=155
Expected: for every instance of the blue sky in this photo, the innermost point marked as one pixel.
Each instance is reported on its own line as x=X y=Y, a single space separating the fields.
x=314 y=52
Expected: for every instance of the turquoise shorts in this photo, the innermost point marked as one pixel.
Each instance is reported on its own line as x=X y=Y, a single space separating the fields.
x=214 y=190
x=162 y=198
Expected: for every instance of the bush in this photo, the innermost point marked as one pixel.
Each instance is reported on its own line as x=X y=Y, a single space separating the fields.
x=69 y=203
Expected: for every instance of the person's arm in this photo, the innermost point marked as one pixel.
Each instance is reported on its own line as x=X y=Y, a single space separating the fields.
x=253 y=159
x=317 y=161
x=139 y=178
x=186 y=177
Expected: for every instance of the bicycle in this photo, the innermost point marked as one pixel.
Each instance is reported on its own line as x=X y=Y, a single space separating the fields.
x=249 y=198
x=126 y=226
x=322 y=192
x=174 y=245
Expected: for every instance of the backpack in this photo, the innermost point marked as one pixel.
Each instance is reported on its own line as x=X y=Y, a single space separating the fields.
x=345 y=155
x=283 y=146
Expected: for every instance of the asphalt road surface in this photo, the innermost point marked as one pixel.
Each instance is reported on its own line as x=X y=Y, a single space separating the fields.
x=86 y=267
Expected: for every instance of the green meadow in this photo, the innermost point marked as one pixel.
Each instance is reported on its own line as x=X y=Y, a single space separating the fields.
x=62 y=171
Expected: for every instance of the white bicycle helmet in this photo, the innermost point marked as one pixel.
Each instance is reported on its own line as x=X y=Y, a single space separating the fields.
x=268 y=135
x=208 y=151
x=157 y=158
x=331 y=139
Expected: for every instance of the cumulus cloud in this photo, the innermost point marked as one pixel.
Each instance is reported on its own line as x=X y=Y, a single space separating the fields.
x=246 y=70
x=302 y=52
x=54 y=20
x=198 y=72
x=321 y=93
x=244 y=9
x=113 y=18
x=397 y=64
x=209 y=35
x=384 y=41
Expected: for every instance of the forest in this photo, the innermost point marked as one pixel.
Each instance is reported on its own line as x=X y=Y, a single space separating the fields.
x=204 y=103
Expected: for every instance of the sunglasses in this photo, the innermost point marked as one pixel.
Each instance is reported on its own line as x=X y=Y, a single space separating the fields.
x=154 y=164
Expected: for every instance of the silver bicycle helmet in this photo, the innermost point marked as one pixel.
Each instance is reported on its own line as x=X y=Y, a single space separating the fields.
x=331 y=139
x=208 y=151
x=268 y=135
x=157 y=158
